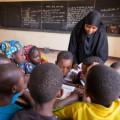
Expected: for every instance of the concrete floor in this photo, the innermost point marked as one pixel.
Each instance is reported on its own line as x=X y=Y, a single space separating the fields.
x=52 y=56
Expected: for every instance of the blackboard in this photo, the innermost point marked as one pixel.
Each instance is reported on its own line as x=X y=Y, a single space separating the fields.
x=55 y=16
x=31 y=15
x=110 y=11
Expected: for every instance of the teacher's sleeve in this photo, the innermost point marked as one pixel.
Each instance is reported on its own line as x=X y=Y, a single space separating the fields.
x=102 y=50
x=73 y=45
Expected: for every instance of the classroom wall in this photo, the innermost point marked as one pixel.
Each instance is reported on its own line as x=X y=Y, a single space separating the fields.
x=56 y=41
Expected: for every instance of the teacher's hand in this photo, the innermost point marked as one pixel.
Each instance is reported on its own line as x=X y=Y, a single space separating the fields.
x=76 y=67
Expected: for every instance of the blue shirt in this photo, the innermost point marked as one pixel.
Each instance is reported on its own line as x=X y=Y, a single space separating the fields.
x=7 y=112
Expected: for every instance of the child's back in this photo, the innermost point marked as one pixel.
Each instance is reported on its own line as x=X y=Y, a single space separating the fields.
x=102 y=86
x=44 y=86
x=11 y=84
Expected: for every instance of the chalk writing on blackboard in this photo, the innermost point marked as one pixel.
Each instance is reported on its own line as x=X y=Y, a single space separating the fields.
x=54 y=15
x=31 y=15
x=75 y=14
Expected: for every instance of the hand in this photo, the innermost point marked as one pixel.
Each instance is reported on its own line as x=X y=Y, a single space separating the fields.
x=86 y=98
x=80 y=90
x=75 y=95
x=76 y=67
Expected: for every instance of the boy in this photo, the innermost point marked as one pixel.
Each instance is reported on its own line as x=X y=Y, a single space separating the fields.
x=11 y=84
x=44 y=86
x=102 y=85
x=116 y=66
x=64 y=61
x=86 y=65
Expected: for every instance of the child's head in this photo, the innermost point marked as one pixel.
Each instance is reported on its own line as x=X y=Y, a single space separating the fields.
x=116 y=66
x=87 y=62
x=13 y=50
x=4 y=59
x=18 y=56
x=103 y=85
x=11 y=79
x=64 y=61
x=34 y=55
x=45 y=82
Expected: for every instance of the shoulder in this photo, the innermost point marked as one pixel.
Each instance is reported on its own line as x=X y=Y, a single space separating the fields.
x=24 y=114
x=75 y=106
x=102 y=28
x=31 y=115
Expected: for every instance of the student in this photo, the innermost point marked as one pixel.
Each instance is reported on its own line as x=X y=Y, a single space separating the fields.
x=64 y=61
x=86 y=65
x=29 y=49
x=33 y=57
x=103 y=87
x=4 y=59
x=88 y=38
x=44 y=86
x=11 y=84
x=116 y=66
x=13 y=50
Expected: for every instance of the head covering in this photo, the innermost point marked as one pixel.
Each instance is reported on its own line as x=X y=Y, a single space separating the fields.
x=82 y=45
x=93 y=18
x=27 y=49
x=9 y=47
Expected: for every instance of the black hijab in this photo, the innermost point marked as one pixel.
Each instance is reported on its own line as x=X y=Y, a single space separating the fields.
x=82 y=45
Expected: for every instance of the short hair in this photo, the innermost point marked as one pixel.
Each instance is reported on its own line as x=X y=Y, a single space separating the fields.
x=32 y=49
x=115 y=65
x=9 y=76
x=103 y=83
x=64 y=55
x=3 y=57
x=88 y=61
x=45 y=81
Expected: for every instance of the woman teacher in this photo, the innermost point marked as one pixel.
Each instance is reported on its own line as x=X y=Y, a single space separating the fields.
x=88 y=38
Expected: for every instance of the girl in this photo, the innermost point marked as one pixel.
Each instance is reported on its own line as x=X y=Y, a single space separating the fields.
x=33 y=58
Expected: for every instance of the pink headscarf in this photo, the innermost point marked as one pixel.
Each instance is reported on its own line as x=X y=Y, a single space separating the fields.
x=27 y=49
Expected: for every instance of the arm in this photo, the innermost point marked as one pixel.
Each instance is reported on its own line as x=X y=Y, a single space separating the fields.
x=27 y=97
x=73 y=45
x=70 y=99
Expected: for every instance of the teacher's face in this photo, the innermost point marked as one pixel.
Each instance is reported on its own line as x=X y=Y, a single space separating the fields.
x=90 y=29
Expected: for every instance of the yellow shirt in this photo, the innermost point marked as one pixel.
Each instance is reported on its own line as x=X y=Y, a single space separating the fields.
x=89 y=111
